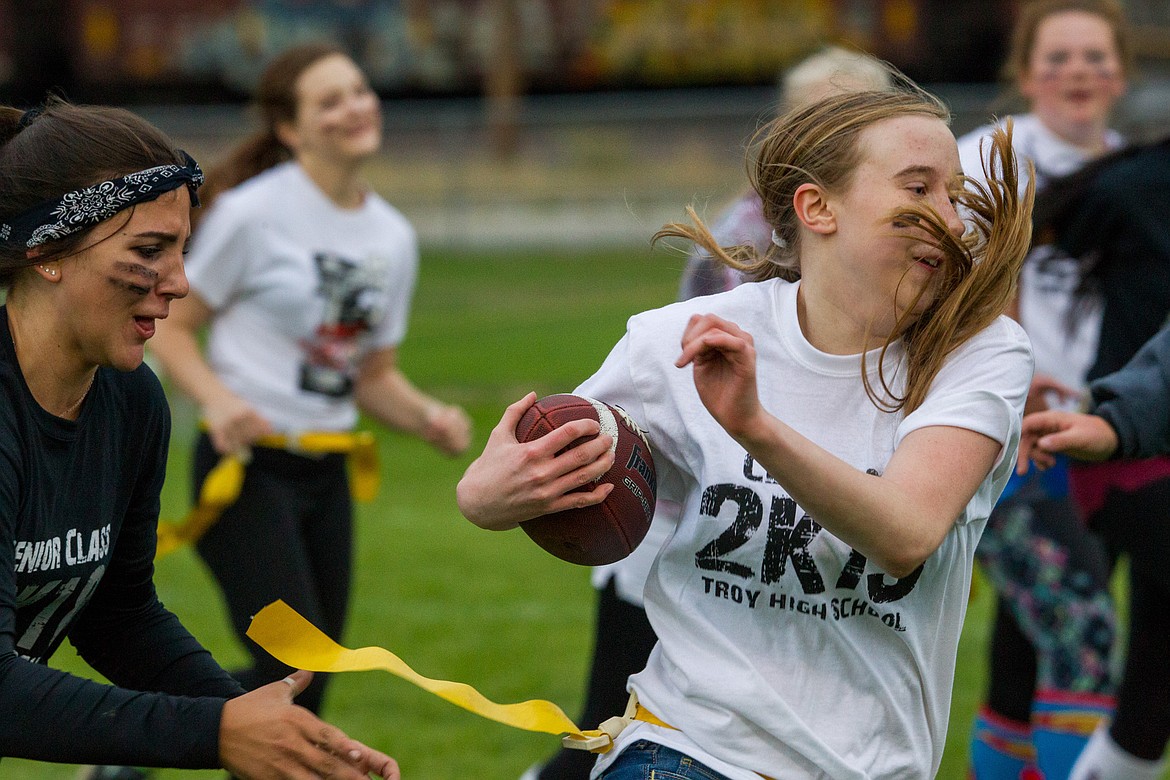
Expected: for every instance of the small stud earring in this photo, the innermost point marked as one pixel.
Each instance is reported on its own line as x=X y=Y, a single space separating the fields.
x=48 y=271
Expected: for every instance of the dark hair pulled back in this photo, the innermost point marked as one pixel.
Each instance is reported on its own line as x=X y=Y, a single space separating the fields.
x=67 y=147
x=276 y=101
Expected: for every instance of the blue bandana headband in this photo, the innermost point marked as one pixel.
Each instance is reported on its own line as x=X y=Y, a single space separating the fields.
x=81 y=209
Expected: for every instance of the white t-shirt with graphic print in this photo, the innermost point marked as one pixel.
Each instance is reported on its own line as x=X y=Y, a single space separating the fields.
x=782 y=651
x=301 y=290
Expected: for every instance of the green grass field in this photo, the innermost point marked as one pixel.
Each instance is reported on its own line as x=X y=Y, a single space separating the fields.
x=456 y=602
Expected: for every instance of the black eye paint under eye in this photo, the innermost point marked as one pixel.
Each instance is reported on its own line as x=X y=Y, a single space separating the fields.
x=135 y=278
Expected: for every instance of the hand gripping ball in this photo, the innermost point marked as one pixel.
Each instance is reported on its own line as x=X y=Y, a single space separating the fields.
x=609 y=531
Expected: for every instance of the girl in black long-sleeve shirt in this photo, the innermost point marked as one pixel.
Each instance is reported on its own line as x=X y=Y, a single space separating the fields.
x=94 y=216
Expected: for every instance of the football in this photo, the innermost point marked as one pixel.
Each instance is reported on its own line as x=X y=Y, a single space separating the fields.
x=609 y=531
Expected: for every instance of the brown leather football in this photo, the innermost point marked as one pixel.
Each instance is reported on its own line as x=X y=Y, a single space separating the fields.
x=609 y=531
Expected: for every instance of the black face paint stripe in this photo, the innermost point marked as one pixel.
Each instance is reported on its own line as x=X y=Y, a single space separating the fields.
x=148 y=276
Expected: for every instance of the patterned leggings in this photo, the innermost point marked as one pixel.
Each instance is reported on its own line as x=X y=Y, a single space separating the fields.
x=1054 y=626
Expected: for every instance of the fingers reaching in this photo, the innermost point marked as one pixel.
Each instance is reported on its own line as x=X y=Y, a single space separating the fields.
x=264 y=735
x=1081 y=436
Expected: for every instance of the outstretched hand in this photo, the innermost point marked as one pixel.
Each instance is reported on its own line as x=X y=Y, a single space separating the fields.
x=1081 y=436
x=264 y=736
x=724 y=360
x=513 y=481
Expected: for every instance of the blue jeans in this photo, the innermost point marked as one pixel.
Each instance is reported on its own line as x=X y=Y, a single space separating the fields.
x=645 y=760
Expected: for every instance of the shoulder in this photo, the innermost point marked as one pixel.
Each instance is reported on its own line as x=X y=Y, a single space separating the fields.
x=237 y=215
x=997 y=359
x=10 y=400
x=241 y=205
x=973 y=145
x=1003 y=335
x=1145 y=167
x=970 y=140
x=752 y=306
x=748 y=300
x=256 y=194
x=387 y=215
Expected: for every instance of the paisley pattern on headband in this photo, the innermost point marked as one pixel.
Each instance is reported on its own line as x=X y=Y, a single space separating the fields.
x=80 y=209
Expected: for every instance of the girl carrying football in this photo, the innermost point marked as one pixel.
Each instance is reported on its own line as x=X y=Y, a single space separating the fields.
x=836 y=434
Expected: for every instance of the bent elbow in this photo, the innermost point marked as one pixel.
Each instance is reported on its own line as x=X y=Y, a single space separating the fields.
x=902 y=560
x=902 y=567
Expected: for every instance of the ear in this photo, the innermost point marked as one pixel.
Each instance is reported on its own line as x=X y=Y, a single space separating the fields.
x=1026 y=86
x=49 y=270
x=286 y=133
x=813 y=209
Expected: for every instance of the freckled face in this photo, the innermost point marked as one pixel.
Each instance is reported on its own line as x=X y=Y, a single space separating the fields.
x=905 y=161
x=1074 y=75
x=113 y=292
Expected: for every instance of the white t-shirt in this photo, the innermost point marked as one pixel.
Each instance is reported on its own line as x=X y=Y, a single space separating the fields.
x=301 y=291
x=740 y=223
x=1049 y=278
x=630 y=573
x=781 y=651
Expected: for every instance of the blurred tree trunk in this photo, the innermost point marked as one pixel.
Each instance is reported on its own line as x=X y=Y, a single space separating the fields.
x=503 y=79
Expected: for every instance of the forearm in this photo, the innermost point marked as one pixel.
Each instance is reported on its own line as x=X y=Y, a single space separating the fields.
x=897 y=519
x=1135 y=400
x=177 y=349
x=862 y=510
x=152 y=651
x=394 y=401
x=48 y=715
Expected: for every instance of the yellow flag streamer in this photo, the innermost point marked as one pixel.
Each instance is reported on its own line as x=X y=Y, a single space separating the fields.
x=222 y=486
x=294 y=641
x=220 y=490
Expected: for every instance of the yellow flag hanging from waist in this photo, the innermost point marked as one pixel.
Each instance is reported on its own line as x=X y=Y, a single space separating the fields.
x=222 y=486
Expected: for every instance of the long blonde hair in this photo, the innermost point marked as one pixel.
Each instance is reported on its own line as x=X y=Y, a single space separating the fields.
x=819 y=143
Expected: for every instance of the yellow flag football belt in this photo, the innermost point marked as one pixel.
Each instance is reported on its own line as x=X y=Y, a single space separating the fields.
x=296 y=642
x=222 y=486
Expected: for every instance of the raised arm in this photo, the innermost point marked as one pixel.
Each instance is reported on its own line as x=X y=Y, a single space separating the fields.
x=897 y=519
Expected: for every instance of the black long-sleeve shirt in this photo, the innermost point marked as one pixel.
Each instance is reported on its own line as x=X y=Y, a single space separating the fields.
x=1121 y=222
x=79 y=504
